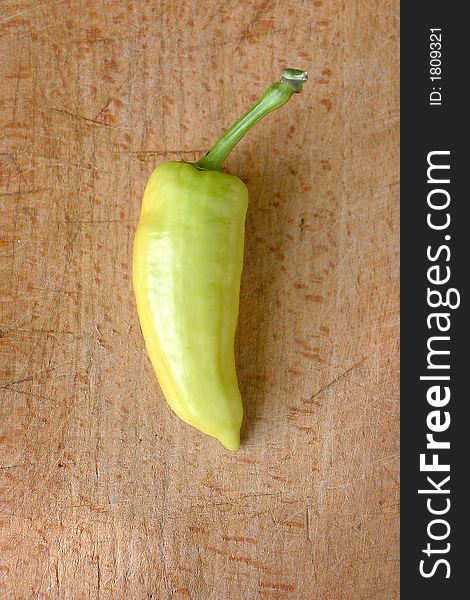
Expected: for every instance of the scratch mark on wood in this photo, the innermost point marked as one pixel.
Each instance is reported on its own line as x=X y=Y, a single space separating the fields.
x=57 y=579
x=307 y=521
x=338 y=378
x=238 y=538
x=295 y=524
x=237 y=558
x=83 y=118
x=23 y=192
x=28 y=10
x=98 y=577
x=7 y=385
x=283 y=587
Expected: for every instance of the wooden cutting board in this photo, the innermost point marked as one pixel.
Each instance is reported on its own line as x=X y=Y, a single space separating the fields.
x=105 y=493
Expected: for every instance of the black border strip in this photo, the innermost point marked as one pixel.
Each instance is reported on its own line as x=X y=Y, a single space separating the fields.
x=426 y=128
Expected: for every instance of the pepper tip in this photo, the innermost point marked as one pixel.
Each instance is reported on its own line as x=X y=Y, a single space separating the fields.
x=230 y=440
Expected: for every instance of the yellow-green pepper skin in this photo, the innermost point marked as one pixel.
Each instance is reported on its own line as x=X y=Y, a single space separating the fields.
x=187 y=265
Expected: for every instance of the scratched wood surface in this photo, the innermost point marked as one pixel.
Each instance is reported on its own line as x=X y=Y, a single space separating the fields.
x=105 y=493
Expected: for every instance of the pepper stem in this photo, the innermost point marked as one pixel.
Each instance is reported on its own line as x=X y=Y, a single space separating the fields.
x=275 y=96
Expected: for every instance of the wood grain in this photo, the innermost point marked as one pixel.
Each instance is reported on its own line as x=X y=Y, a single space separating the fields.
x=105 y=494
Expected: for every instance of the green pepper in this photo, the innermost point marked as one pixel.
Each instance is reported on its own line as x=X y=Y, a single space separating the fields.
x=187 y=265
